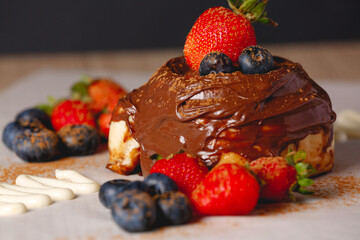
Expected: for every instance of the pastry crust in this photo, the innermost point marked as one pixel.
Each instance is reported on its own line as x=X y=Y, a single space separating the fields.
x=125 y=150
x=319 y=150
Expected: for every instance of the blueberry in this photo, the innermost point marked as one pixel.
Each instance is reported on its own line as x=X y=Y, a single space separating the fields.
x=79 y=139
x=215 y=62
x=134 y=211
x=159 y=183
x=36 y=143
x=136 y=185
x=109 y=190
x=34 y=113
x=10 y=132
x=255 y=60
x=175 y=207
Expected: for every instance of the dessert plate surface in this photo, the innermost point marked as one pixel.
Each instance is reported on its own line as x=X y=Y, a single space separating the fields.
x=332 y=213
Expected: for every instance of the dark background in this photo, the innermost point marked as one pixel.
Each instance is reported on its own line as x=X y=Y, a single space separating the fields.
x=81 y=25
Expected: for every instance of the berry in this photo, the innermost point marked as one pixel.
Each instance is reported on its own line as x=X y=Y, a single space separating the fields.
x=136 y=185
x=228 y=189
x=99 y=93
x=215 y=62
x=79 y=139
x=71 y=112
x=186 y=171
x=134 y=211
x=220 y=29
x=175 y=207
x=109 y=190
x=36 y=143
x=34 y=113
x=283 y=176
x=105 y=118
x=255 y=60
x=10 y=132
x=103 y=92
x=159 y=183
x=104 y=124
x=277 y=174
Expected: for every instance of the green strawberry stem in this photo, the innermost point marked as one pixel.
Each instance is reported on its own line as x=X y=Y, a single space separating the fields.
x=253 y=10
x=156 y=157
x=51 y=103
x=303 y=170
x=79 y=89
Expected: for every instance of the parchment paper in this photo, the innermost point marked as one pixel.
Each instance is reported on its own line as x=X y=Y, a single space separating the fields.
x=332 y=213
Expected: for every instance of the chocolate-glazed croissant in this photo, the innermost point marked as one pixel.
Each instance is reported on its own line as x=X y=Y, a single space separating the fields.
x=253 y=115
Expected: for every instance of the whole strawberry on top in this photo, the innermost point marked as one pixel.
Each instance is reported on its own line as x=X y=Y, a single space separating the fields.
x=224 y=30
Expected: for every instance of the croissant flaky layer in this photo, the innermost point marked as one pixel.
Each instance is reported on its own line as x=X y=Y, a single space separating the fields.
x=125 y=150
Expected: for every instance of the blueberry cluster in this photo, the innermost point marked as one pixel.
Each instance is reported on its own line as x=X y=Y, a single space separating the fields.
x=32 y=138
x=144 y=205
x=252 y=60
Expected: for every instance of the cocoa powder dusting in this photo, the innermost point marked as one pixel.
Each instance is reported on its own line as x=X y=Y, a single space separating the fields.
x=47 y=169
x=329 y=192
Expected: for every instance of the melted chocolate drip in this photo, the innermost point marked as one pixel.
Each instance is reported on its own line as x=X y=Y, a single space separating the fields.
x=253 y=115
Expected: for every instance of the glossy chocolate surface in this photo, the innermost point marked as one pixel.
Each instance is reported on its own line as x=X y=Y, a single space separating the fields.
x=253 y=115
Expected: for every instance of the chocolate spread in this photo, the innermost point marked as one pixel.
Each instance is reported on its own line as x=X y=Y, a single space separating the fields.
x=253 y=115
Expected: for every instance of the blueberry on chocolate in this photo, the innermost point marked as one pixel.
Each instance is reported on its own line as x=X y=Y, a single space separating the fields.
x=215 y=62
x=255 y=60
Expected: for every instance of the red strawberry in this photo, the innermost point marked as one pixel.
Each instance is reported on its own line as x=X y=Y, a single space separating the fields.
x=104 y=123
x=99 y=93
x=71 y=112
x=223 y=30
x=277 y=174
x=282 y=176
x=228 y=189
x=103 y=92
x=185 y=170
x=105 y=118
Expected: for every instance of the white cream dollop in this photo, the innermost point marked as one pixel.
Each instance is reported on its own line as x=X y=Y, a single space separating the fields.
x=31 y=192
x=347 y=125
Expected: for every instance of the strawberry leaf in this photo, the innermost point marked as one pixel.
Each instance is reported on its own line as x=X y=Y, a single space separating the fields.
x=305 y=182
x=79 y=91
x=51 y=103
x=304 y=191
x=156 y=157
x=303 y=171
x=299 y=156
x=253 y=10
